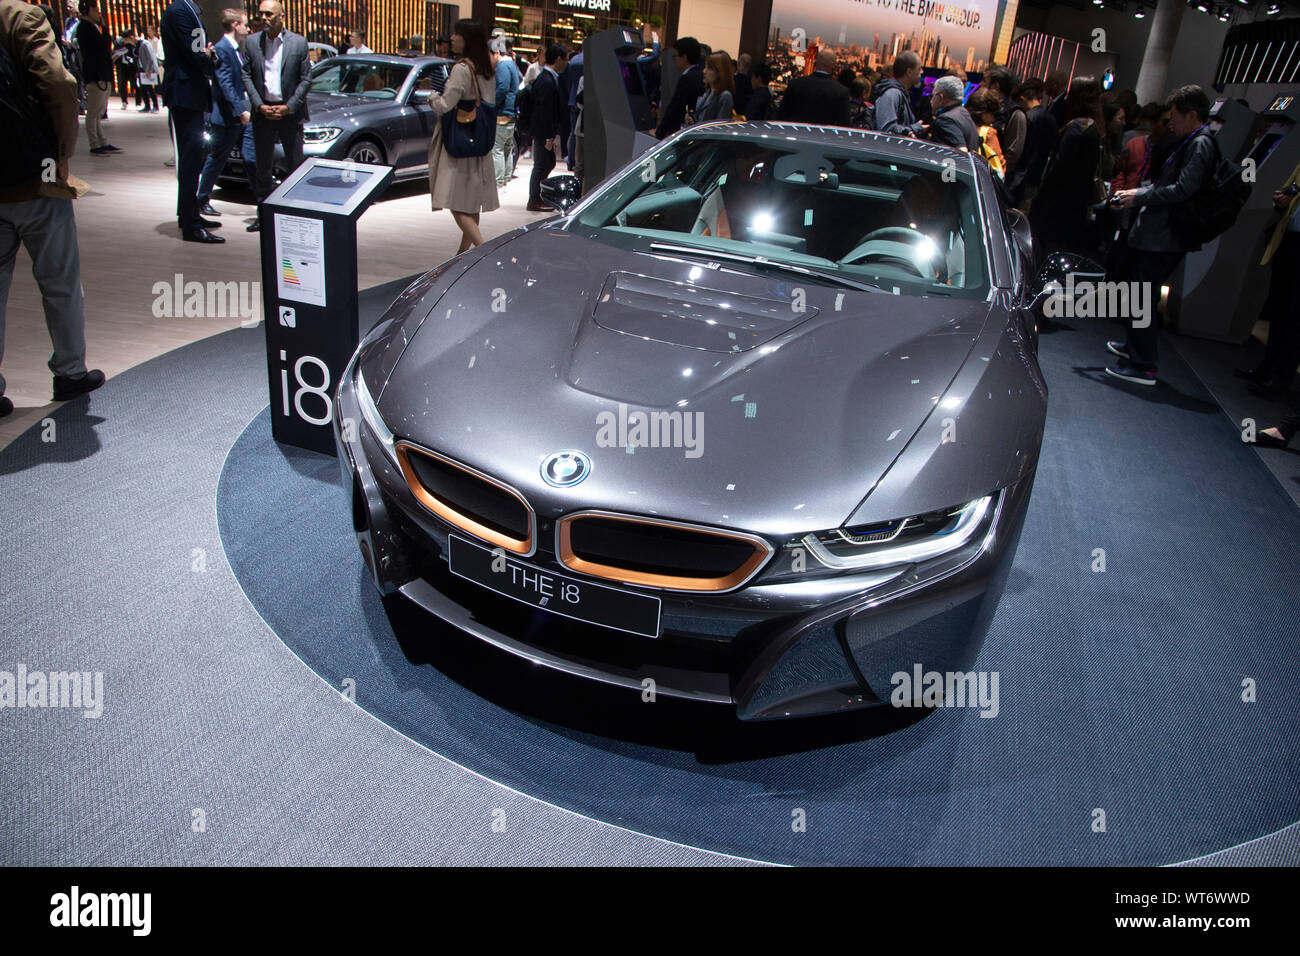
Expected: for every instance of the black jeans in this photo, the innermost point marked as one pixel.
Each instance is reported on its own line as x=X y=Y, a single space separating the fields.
x=1282 y=310
x=1153 y=268
x=543 y=163
x=265 y=132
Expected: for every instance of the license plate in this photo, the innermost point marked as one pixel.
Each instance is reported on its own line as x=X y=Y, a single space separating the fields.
x=557 y=593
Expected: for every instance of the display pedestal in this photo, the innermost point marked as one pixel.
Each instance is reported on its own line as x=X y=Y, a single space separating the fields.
x=309 y=292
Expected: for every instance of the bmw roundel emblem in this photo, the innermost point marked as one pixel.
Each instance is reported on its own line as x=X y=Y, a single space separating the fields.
x=564 y=469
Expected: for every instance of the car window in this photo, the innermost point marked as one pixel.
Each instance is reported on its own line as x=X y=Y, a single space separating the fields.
x=432 y=77
x=359 y=78
x=913 y=226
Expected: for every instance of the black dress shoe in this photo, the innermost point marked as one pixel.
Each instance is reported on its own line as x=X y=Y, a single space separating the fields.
x=255 y=226
x=200 y=235
x=66 y=386
x=6 y=407
x=1268 y=441
x=207 y=210
x=1251 y=374
x=109 y=148
x=209 y=224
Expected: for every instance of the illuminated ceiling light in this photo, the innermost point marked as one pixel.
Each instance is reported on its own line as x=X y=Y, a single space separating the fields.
x=1273 y=9
x=1141 y=13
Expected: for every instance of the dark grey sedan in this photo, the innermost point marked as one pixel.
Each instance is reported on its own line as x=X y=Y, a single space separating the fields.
x=755 y=422
x=369 y=108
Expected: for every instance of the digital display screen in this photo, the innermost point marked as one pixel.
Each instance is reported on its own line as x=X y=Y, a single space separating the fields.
x=328 y=186
x=1264 y=146
x=1282 y=103
x=634 y=86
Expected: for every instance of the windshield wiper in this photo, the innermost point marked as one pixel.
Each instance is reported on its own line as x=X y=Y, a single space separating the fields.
x=766 y=263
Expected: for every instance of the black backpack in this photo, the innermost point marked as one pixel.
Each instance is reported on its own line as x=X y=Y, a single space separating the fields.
x=524 y=108
x=1214 y=208
x=25 y=126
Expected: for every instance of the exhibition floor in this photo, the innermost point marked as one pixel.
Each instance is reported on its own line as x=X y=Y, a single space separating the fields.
x=212 y=577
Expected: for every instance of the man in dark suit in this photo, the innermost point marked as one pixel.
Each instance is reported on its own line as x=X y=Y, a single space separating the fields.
x=187 y=91
x=819 y=99
x=689 y=89
x=744 y=85
x=277 y=75
x=231 y=110
x=547 y=122
x=952 y=124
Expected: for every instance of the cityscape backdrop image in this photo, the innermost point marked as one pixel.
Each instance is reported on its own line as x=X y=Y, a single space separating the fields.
x=867 y=36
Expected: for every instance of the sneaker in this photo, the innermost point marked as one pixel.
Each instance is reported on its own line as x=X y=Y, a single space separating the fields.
x=67 y=386
x=1117 y=348
x=6 y=406
x=1135 y=375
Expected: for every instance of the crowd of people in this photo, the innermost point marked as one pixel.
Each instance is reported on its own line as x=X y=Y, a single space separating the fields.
x=1096 y=173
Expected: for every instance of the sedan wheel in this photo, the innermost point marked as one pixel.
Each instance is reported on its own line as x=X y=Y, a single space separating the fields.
x=366 y=152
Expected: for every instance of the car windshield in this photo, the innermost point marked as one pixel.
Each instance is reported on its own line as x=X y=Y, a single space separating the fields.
x=355 y=77
x=911 y=227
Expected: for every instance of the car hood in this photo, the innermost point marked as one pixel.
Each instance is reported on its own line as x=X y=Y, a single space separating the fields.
x=781 y=402
x=329 y=108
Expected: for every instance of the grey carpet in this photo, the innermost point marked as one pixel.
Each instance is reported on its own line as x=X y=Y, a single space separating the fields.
x=204 y=707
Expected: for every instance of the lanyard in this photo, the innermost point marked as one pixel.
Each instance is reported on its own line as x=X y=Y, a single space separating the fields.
x=1180 y=148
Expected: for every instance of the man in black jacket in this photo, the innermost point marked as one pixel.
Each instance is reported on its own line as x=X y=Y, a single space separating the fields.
x=97 y=70
x=1156 y=252
x=277 y=76
x=893 y=104
x=689 y=89
x=546 y=122
x=1026 y=175
x=952 y=124
x=818 y=99
x=187 y=91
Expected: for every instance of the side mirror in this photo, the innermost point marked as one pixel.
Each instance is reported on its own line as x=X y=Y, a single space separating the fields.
x=561 y=192
x=420 y=97
x=1063 y=271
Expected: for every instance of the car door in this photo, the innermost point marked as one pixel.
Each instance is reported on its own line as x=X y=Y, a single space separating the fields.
x=418 y=117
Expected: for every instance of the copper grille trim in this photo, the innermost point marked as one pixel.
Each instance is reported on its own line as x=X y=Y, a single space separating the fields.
x=458 y=519
x=728 y=582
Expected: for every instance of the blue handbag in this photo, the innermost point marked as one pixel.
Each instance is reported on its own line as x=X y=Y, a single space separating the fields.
x=471 y=128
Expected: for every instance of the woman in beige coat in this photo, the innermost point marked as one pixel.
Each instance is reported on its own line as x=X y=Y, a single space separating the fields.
x=465 y=185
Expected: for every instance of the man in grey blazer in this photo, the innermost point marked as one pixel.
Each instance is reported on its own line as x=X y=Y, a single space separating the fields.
x=277 y=75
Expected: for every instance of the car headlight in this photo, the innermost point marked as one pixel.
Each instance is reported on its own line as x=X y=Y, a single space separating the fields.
x=374 y=421
x=901 y=541
x=320 y=134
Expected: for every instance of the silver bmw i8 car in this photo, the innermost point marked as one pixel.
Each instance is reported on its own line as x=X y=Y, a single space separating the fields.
x=755 y=422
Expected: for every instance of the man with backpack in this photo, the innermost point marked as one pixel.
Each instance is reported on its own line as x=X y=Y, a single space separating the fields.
x=38 y=119
x=1158 y=245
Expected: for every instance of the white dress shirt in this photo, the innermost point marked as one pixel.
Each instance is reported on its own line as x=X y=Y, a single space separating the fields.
x=271 y=76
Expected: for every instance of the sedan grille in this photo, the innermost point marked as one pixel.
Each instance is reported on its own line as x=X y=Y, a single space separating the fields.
x=467 y=499
x=658 y=553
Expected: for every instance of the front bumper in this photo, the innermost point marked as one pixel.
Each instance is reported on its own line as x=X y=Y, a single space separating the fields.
x=770 y=650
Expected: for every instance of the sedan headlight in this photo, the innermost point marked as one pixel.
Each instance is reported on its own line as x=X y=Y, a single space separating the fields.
x=320 y=134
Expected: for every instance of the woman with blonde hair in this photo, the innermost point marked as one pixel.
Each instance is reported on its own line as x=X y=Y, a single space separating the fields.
x=718 y=101
x=467 y=185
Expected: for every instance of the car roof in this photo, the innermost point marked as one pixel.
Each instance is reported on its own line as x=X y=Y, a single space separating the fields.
x=879 y=143
x=394 y=58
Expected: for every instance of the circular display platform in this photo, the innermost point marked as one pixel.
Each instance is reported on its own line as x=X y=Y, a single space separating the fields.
x=1121 y=690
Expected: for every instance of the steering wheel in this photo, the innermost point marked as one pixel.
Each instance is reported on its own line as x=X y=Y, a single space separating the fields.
x=895 y=233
